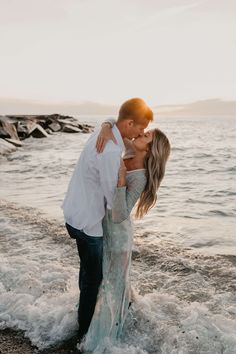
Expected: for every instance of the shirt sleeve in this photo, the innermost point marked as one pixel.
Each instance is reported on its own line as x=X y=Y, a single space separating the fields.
x=110 y=120
x=125 y=199
x=108 y=165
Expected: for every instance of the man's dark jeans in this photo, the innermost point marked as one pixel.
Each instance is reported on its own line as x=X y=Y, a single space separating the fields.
x=90 y=252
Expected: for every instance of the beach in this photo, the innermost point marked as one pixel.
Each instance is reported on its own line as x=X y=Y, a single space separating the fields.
x=14 y=342
x=184 y=256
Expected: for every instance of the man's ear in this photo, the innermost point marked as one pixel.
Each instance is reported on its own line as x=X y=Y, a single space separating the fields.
x=130 y=122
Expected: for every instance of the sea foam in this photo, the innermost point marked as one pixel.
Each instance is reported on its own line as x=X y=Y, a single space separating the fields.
x=184 y=302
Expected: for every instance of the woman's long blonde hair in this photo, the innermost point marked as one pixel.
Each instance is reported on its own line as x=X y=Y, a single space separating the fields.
x=155 y=163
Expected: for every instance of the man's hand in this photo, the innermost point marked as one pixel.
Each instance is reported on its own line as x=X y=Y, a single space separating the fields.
x=103 y=137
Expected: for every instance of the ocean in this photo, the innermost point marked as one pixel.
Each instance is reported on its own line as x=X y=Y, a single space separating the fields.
x=184 y=257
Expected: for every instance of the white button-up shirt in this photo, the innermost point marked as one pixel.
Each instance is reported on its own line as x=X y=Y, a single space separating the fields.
x=92 y=185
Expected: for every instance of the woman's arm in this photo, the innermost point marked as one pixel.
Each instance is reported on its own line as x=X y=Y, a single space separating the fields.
x=105 y=135
x=125 y=198
x=122 y=175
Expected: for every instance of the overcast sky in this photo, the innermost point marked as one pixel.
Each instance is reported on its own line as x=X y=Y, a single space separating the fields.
x=166 y=51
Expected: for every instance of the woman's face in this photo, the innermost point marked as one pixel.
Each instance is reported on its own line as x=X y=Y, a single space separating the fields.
x=141 y=142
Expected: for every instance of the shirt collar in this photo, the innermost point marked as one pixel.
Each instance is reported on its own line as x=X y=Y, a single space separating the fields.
x=118 y=137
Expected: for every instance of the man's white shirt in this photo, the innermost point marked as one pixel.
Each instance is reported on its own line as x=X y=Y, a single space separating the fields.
x=92 y=185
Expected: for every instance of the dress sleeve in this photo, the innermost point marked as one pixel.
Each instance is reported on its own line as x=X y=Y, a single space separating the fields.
x=125 y=198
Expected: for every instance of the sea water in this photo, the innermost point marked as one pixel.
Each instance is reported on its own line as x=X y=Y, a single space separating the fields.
x=184 y=256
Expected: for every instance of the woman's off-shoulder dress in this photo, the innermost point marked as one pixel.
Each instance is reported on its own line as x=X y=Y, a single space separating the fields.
x=115 y=291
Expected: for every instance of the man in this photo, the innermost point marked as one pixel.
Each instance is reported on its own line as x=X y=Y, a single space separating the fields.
x=90 y=191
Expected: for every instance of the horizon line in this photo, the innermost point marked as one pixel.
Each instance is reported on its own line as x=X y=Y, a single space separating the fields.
x=72 y=102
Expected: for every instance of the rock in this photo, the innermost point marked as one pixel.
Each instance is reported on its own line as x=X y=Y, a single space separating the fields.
x=18 y=127
x=68 y=128
x=55 y=127
x=10 y=129
x=49 y=131
x=15 y=142
x=70 y=122
x=6 y=148
x=86 y=130
x=3 y=133
x=8 y=119
x=55 y=117
x=37 y=131
x=22 y=130
x=13 y=119
x=43 y=123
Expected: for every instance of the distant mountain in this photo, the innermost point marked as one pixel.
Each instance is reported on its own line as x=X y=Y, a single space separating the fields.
x=211 y=107
x=17 y=106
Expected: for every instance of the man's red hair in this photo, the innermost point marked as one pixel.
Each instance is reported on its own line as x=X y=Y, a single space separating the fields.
x=135 y=109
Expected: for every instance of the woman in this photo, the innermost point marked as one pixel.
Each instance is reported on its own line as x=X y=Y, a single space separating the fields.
x=139 y=178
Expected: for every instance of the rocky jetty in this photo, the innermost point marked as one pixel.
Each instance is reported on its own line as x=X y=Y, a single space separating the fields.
x=15 y=128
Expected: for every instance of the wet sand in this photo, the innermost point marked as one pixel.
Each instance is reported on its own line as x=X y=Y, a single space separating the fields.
x=14 y=342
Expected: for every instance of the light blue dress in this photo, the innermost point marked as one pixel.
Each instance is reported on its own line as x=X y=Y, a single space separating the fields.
x=115 y=291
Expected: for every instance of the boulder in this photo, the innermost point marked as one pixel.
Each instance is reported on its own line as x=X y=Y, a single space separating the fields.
x=17 y=143
x=37 y=131
x=3 y=133
x=10 y=129
x=55 y=127
x=70 y=122
x=43 y=123
x=68 y=128
x=55 y=117
x=86 y=130
x=15 y=118
x=19 y=127
x=8 y=119
x=22 y=130
x=6 y=148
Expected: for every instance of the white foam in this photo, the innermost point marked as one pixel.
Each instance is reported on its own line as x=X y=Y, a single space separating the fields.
x=168 y=325
x=193 y=310
x=38 y=286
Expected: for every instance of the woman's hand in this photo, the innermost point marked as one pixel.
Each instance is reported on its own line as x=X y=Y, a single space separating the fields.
x=103 y=137
x=122 y=174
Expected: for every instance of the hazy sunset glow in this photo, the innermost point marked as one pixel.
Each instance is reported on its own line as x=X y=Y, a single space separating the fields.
x=165 y=51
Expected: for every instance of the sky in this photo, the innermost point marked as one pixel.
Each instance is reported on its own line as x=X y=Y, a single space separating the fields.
x=165 y=51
